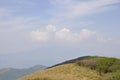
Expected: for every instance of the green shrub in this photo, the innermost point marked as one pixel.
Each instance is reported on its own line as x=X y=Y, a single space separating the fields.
x=114 y=67
x=104 y=64
x=116 y=75
x=112 y=76
x=101 y=64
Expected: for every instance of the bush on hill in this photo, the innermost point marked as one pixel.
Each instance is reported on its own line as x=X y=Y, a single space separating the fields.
x=101 y=64
x=109 y=67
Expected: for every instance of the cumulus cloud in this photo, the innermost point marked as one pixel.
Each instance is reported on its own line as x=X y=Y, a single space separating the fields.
x=67 y=35
x=64 y=34
x=43 y=35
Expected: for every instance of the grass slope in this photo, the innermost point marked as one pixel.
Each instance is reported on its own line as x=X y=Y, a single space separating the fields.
x=64 y=72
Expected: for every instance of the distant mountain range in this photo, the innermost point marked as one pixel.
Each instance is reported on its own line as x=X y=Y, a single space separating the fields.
x=13 y=74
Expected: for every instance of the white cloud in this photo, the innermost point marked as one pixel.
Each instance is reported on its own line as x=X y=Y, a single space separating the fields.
x=66 y=35
x=39 y=35
x=76 y=8
x=51 y=33
x=85 y=33
x=43 y=35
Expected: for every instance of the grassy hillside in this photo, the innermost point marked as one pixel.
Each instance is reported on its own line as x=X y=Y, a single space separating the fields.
x=64 y=72
x=85 y=68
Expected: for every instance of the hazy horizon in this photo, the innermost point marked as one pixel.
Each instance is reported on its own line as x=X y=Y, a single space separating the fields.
x=47 y=32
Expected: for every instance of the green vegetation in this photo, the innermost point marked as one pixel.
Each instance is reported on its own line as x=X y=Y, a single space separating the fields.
x=85 y=68
x=108 y=68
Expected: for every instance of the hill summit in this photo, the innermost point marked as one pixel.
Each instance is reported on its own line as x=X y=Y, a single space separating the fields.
x=83 y=68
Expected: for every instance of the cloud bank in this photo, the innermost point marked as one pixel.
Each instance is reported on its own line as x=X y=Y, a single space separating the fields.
x=64 y=34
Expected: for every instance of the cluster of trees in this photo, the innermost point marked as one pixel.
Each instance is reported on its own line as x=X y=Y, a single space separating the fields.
x=104 y=66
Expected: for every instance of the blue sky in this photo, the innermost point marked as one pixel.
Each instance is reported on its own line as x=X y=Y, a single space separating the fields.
x=51 y=31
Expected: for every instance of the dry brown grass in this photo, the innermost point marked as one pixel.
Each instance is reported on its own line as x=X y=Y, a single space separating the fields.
x=64 y=72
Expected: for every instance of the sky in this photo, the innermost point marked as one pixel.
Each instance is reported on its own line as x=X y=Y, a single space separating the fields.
x=47 y=32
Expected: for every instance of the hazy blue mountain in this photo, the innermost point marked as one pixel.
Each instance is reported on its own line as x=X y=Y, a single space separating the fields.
x=13 y=74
